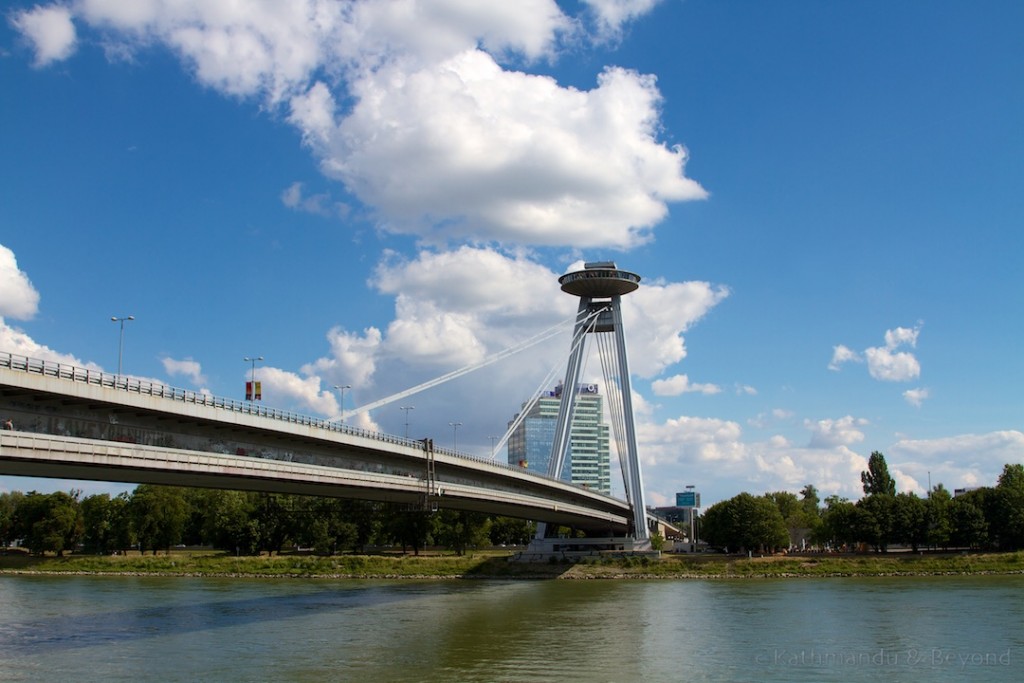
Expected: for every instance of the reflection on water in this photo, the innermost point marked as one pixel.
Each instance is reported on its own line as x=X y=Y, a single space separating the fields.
x=189 y=629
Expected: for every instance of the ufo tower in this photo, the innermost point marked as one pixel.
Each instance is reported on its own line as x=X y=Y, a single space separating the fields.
x=600 y=287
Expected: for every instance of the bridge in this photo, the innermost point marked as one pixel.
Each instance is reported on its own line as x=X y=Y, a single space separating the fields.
x=75 y=423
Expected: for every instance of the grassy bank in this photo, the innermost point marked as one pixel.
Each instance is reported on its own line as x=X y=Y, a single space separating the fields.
x=495 y=565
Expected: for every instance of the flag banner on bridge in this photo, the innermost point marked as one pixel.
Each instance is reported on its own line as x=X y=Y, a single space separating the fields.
x=253 y=391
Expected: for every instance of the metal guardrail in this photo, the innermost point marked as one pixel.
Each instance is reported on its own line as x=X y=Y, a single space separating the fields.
x=72 y=373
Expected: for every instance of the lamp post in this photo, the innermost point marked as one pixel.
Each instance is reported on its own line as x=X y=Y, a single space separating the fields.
x=120 y=343
x=493 y=439
x=252 y=360
x=455 y=434
x=693 y=525
x=407 y=409
x=342 y=388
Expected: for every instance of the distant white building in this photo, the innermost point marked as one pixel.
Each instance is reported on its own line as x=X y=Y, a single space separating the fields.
x=529 y=445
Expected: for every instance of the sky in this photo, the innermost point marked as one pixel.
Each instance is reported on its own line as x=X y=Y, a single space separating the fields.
x=824 y=201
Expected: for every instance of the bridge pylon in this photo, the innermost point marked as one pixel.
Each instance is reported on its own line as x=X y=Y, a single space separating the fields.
x=600 y=287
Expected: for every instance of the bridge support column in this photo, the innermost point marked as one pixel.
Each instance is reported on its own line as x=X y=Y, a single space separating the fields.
x=600 y=287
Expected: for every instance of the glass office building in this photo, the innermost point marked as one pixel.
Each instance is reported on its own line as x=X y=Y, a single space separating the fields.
x=529 y=445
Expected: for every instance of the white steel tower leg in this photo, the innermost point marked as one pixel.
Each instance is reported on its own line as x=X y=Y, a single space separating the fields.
x=567 y=407
x=634 y=485
x=600 y=286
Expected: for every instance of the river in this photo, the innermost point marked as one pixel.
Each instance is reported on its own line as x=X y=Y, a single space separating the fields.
x=88 y=628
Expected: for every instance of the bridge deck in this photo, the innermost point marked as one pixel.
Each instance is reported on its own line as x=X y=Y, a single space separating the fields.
x=83 y=424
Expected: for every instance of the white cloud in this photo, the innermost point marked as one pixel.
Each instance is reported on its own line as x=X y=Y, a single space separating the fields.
x=713 y=455
x=885 y=363
x=319 y=204
x=842 y=354
x=916 y=397
x=435 y=135
x=18 y=298
x=612 y=14
x=657 y=314
x=829 y=433
x=681 y=384
x=745 y=390
x=466 y=150
x=900 y=336
x=50 y=30
x=187 y=368
x=957 y=461
x=288 y=387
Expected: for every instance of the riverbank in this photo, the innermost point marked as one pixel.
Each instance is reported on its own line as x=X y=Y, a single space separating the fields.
x=497 y=565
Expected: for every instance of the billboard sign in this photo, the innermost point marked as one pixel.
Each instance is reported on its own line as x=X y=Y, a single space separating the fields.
x=688 y=499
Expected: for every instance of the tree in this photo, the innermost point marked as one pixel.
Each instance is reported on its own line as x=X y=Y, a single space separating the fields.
x=276 y=521
x=460 y=530
x=810 y=504
x=1006 y=509
x=97 y=521
x=837 y=522
x=8 y=506
x=50 y=522
x=511 y=531
x=909 y=520
x=745 y=523
x=159 y=514
x=409 y=527
x=970 y=529
x=792 y=514
x=874 y=522
x=937 y=516
x=230 y=522
x=877 y=479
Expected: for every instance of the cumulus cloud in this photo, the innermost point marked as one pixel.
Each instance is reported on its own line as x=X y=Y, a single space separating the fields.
x=681 y=384
x=437 y=133
x=842 y=354
x=887 y=363
x=320 y=204
x=187 y=368
x=611 y=15
x=828 y=433
x=50 y=30
x=915 y=397
x=957 y=461
x=713 y=455
x=18 y=298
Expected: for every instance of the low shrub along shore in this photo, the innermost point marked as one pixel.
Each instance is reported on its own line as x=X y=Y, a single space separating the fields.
x=499 y=565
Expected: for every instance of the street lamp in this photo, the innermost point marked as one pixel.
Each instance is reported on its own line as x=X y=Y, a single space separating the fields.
x=693 y=524
x=120 y=343
x=407 y=409
x=342 y=388
x=252 y=360
x=455 y=434
x=493 y=439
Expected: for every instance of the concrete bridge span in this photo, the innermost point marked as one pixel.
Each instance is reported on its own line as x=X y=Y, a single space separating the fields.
x=76 y=423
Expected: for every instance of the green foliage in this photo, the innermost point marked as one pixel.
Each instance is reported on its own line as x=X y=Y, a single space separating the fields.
x=8 y=506
x=159 y=515
x=461 y=530
x=745 y=523
x=877 y=478
x=510 y=531
x=50 y=522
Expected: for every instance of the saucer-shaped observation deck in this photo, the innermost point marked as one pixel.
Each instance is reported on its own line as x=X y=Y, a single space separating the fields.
x=600 y=280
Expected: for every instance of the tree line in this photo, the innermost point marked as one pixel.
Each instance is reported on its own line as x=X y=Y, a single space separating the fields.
x=987 y=518
x=152 y=518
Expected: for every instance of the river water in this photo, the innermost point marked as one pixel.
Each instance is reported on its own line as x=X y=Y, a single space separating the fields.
x=83 y=628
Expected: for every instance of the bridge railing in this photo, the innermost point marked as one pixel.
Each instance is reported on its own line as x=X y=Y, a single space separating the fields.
x=73 y=373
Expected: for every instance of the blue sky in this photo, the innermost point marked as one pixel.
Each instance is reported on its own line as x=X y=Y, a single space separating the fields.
x=824 y=201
